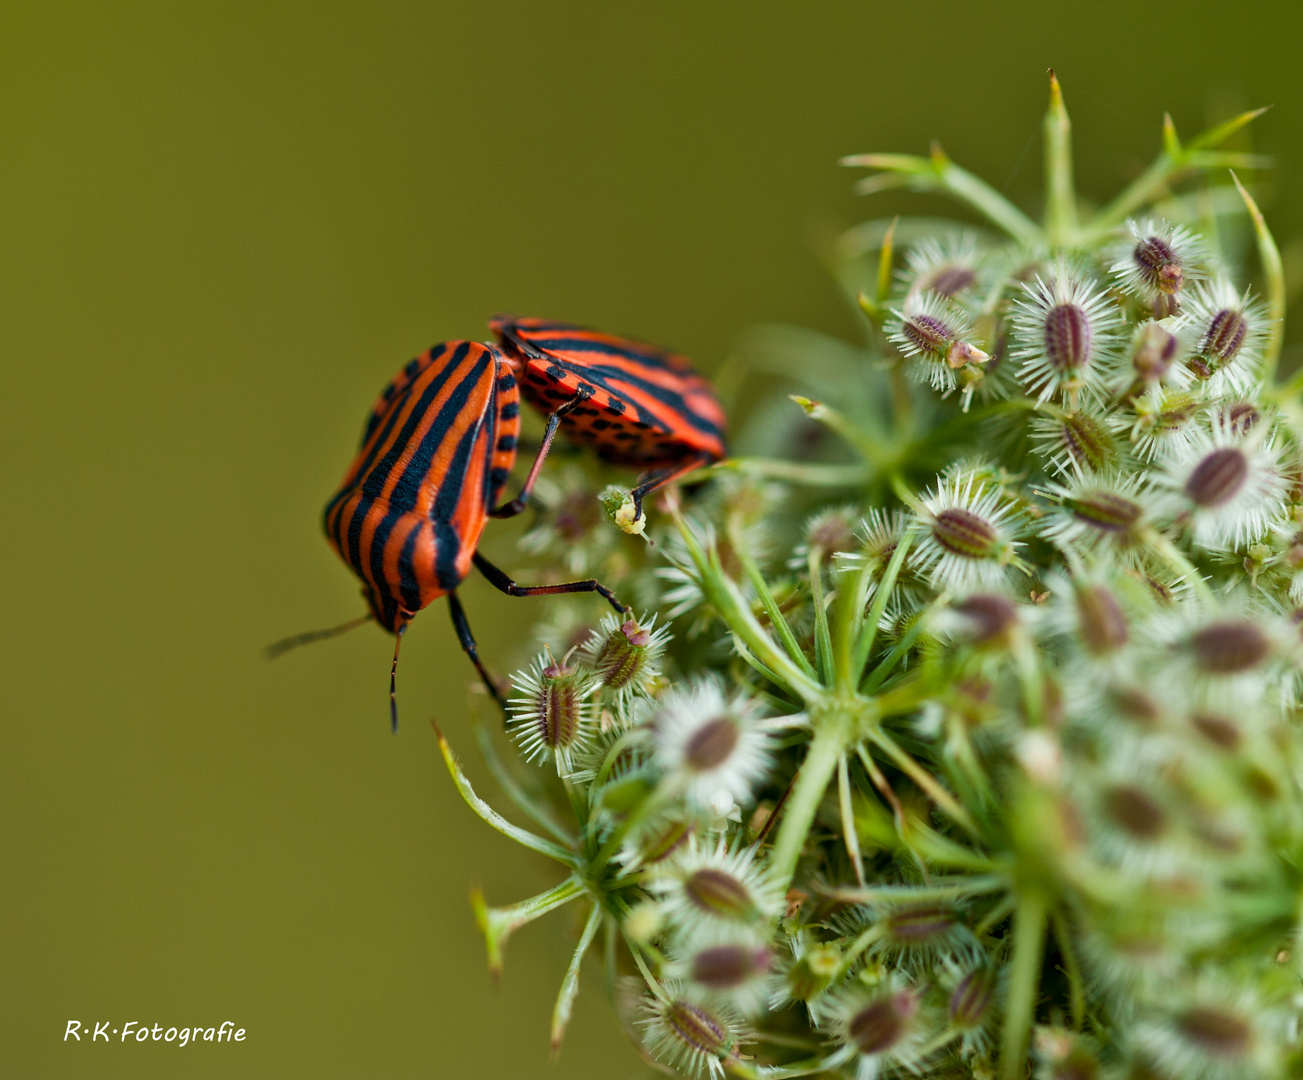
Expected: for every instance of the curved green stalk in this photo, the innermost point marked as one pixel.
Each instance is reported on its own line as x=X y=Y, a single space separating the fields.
x=812 y=780
x=1024 y=981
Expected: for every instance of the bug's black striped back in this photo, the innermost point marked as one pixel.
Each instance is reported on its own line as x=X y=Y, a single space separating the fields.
x=437 y=448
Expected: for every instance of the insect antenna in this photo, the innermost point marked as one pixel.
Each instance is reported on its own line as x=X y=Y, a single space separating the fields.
x=276 y=648
x=393 y=676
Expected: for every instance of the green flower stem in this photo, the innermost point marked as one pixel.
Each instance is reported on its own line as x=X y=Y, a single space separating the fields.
x=565 y=1001
x=503 y=778
x=938 y=174
x=851 y=593
x=1173 y=163
x=827 y=746
x=1071 y=968
x=925 y=781
x=885 y=259
x=1274 y=271
x=1024 y=981
x=491 y=817
x=635 y=950
x=848 y=818
x=822 y=636
x=767 y=601
x=723 y=594
x=811 y=474
x=498 y=924
x=1060 y=195
x=869 y=629
x=887 y=894
x=869 y=448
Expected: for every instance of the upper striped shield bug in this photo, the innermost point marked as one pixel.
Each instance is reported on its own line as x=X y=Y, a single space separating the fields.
x=635 y=404
x=437 y=448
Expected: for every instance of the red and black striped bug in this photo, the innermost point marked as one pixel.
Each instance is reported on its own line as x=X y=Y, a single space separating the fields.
x=635 y=404
x=437 y=448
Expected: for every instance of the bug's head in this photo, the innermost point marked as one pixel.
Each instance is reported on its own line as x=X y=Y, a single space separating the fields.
x=508 y=329
x=385 y=610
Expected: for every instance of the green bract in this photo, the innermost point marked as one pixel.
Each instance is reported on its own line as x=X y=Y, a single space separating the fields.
x=957 y=733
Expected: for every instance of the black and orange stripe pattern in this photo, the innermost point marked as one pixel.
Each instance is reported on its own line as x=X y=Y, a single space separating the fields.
x=437 y=447
x=646 y=407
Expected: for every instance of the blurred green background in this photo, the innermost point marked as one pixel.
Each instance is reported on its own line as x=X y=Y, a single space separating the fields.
x=224 y=226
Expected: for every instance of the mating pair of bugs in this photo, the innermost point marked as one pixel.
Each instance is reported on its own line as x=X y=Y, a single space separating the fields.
x=440 y=442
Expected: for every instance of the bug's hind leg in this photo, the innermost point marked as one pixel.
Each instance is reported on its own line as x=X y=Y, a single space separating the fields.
x=658 y=478
x=467 y=640
x=503 y=583
x=511 y=509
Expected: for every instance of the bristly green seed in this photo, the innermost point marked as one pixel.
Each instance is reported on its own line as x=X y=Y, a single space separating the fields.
x=961 y=532
x=882 y=1024
x=698 y=1028
x=921 y=923
x=622 y=655
x=1216 y=1032
x=1105 y=510
x=928 y=334
x=1134 y=811
x=1218 y=478
x=1068 y=337
x=711 y=744
x=1100 y=619
x=723 y=967
x=813 y=972
x=1224 y=337
x=557 y=707
x=1230 y=646
x=1087 y=442
x=1155 y=352
x=719 y=893
x=970 y=1001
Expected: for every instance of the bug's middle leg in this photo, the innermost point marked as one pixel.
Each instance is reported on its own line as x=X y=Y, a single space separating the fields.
x=503 y=583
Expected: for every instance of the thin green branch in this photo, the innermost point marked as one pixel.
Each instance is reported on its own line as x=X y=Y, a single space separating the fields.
x=723 y=594
x=822 y=636
x=869 y=628
x=565 y=1001
x=1024 y=982
x=491 y=817
x=1172 y=164
x=808 y=473
x=498 y=924
x=848 y=819
x=807 y=792
x=939 y=175
x=776 y=618
x=938 y=890
x=503 y=778
x=1274 y=272
x=868 y=447
x=945 y=802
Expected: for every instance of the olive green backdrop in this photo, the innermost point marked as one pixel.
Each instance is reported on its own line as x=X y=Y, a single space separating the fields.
x=224 y=226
